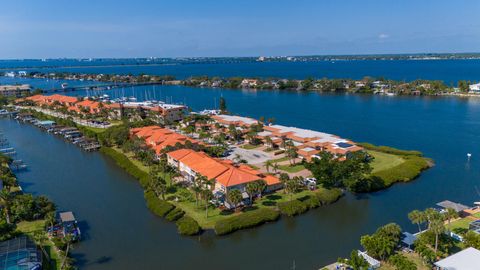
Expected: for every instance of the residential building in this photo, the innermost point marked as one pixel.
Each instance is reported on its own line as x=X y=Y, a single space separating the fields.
x=15 y=90
x=238 y=121
x=467 y=259
x=308 y=142
x=226 y=174
x=159 y=138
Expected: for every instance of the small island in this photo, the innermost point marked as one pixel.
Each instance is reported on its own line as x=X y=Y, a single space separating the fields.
x=221 y=172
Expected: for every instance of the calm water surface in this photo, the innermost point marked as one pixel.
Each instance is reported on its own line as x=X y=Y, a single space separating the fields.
x=449 y=71
x=122 y=234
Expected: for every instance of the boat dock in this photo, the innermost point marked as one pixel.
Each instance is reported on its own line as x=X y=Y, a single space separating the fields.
x=71 y=134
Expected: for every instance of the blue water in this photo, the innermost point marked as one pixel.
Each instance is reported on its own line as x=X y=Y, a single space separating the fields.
x=450 y=71
x=122 y=234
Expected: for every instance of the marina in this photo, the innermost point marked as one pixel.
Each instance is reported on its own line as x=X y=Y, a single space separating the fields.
x=71 y=134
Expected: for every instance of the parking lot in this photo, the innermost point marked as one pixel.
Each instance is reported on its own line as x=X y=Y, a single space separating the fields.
x=251 y=156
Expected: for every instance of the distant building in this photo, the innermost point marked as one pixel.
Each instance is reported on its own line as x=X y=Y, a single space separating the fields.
x=20 y=253
x=474 y=88
x=14 y=90
x=249 y=83
x=467 y=259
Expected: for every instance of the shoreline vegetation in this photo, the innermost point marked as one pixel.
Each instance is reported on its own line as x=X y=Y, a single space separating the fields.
x=25 y=214
x=367 y=85
x=178 y=204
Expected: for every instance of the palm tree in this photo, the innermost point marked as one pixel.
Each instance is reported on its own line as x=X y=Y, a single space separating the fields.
x=50 y=218
x=283 y=179
x=437 y=227
x=417 y=217
x=275 y=167
x=207 y=195
x=6 y=200
x=67 y=240
x=268 y=165
x=450 y=214
x=261 y=186
x=197 y=188
x=40 y=239
x=251 y=189
x=234 y=197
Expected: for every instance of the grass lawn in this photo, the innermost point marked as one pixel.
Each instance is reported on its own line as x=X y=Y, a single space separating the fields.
x=279 y=160
x=477 y=215
x=249 y=146
x=383 y=161
x=292 y=168
x=96 y=130
x=460 y=224
x=29 y=227
x=198 y=213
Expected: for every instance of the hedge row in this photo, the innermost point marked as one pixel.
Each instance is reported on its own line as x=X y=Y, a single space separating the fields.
x=301 y=205
x=293 y=207
x=187 y=226
x=158 y=207
x=175 y=214
x=390 y=150
x=245 y=220
x=126 y=164
x=404 y=172
x=328 y=196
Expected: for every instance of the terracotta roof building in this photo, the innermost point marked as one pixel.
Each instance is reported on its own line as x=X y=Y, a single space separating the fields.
x=226 y=174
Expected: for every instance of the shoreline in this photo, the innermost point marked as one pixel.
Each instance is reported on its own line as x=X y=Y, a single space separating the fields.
x=276 y=204
x=366 y=85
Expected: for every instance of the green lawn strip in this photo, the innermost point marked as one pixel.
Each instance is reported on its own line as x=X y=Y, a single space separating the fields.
x=383 y=161
x=403 y=172
x=28 y=228
x=390 y=150
x=292 y=168
x=249 y=146
x=459 y=224
x=278 y=160
x=198 y=213
x=392 y=165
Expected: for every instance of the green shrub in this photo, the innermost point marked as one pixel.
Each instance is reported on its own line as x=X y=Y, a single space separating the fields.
x=157 y=206
x=292 y=208
x=402 y=262
x=279 y=152
x=175 y=214
x=328 y=196
x=245 y=220
x=187 y=226
x=310 y=201
x=406 y=171
x=390 y=150
x=126 y=164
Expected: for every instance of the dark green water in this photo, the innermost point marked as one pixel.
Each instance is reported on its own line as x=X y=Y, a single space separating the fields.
x=120 y=233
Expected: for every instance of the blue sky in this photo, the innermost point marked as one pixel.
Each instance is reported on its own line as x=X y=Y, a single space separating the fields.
x=143 y=28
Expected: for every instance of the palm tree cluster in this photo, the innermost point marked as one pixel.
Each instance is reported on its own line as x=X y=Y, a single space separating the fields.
x=434 y=220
